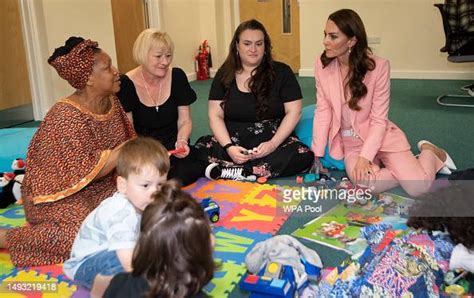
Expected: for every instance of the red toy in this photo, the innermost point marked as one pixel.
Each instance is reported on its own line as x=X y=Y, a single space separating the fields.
x=177 y=151
x=299 y=179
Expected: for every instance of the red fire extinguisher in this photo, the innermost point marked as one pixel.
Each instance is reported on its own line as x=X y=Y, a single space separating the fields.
x=203 y=61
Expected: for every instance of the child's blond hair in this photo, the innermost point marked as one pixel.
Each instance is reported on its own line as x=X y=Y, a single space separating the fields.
x=139 y=153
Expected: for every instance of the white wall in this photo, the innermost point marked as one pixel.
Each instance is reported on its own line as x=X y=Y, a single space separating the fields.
x=411 y=34
x=87 y=18
x=189 y=22
x=181 y=20
x=410 y=31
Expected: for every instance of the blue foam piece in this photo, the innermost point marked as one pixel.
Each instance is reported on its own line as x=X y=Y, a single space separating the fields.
x=304 y=131
x=14 y=144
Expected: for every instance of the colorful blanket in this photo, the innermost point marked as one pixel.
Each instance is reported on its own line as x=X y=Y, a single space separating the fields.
x=395 y=264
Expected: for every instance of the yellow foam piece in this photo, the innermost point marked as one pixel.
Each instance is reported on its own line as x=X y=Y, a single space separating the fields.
x=28 y=278
x=262 y=195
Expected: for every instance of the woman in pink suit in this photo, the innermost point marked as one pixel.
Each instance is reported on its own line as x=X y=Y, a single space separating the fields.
x=353 y=97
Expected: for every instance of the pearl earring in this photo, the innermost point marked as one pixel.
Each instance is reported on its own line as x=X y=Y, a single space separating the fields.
x=350 y=49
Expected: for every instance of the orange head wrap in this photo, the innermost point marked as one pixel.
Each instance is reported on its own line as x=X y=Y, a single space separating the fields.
x=74 y=61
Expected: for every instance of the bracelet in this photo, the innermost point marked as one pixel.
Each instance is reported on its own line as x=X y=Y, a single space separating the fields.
x=180 y=140
x=228 y=145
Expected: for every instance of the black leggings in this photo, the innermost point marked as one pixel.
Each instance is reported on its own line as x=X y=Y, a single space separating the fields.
x=186 y=170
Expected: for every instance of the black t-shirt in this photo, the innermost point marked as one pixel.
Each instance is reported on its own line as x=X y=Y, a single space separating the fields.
x=125 y=285
x=241 y=106
x=161 y=125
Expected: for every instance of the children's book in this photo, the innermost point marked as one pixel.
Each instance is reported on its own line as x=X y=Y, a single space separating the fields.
x=339 y=228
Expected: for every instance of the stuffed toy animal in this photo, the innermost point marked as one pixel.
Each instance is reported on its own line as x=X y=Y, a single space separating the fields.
x=18 y=166
x=6 y=196
x=10 y=182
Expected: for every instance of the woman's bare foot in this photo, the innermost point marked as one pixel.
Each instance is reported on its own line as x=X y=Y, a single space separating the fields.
x=440 y=153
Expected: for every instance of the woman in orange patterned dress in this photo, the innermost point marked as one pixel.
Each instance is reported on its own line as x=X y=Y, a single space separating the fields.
x=71 y=158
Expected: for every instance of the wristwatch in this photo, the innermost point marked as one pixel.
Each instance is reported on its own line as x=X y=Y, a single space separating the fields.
x=228 y=145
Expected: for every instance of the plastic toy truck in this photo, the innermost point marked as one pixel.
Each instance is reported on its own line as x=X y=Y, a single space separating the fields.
x=212 y=209
x=275 y=281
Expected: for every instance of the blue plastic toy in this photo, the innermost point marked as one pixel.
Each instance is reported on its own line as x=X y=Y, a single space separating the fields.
x=277 y=280
x=212 y=209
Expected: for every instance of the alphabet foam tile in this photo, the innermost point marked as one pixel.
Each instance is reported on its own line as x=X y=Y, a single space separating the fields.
x=264 y=195
x=233 y=245
x=254 y=218
x=225 y=208
x=225 y=190
x=225 y=279
x=55 y=271
x=33 y=284
x=6 y=266
x=193 y=188
x=13 y=216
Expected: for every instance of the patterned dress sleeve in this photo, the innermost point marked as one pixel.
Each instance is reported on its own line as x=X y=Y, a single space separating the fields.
x=66 y=154
x=182 y=90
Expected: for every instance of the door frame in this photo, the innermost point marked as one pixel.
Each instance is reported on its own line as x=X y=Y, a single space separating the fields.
x=155 y=13
x=236 y=10
x=36 y=47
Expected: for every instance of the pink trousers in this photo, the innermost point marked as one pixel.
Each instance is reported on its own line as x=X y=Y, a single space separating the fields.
x=414 y=175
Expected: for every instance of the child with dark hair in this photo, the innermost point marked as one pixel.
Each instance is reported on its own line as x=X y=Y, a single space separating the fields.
x=105 y=242
x=173 y=255
x=449 y=210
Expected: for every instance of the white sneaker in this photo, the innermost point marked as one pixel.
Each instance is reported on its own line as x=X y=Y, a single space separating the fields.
x=215 y=171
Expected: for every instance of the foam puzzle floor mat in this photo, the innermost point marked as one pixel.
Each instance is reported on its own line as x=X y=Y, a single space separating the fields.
x=250 y=213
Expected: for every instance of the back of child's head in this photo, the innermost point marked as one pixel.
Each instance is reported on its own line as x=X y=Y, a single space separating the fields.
x=142 y=152
x=449 y=209
x=174 y=250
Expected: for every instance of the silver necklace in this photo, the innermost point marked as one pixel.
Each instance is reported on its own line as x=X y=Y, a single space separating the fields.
x=157 y=107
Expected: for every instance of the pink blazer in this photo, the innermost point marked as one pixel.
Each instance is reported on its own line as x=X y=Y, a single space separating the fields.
x=371 y=123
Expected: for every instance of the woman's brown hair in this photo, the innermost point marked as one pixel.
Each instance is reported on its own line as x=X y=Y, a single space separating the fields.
x=349 y=22
x=262 y=76
x=174 y=249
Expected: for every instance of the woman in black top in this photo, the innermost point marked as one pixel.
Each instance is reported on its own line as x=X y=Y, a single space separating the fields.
x=156 y=98
x=254 y=106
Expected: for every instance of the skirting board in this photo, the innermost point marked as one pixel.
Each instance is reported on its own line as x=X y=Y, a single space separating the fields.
x=192 y=75
x=415 y=75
